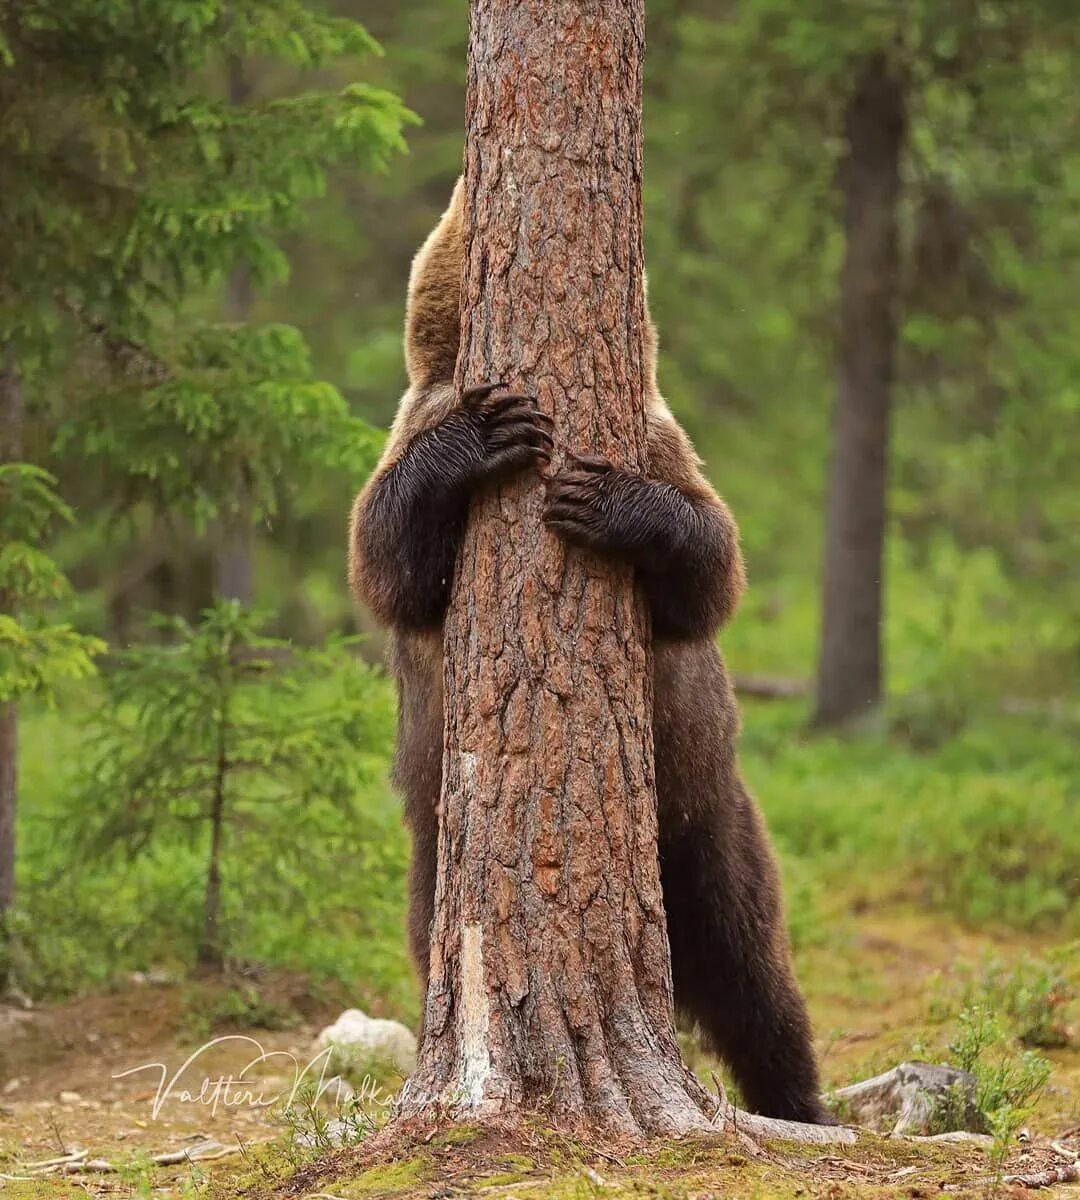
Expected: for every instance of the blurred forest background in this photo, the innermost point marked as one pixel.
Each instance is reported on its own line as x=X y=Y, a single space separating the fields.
x=207 y=217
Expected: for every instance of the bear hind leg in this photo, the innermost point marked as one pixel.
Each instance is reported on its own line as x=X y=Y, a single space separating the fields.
x=731 y=965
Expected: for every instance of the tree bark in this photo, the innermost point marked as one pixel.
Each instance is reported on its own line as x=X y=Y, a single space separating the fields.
x=850 y=667
x=234 y=560
x=550 y=980
x=11 y=421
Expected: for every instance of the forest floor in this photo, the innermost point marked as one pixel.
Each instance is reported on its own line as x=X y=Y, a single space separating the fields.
x=886 y=986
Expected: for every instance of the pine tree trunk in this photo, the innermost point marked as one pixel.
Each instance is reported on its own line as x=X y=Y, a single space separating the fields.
x=11 y=420
x=850 y=667
x=550 y=968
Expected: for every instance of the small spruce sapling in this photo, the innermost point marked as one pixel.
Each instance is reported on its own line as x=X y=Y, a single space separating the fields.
x=245 y=744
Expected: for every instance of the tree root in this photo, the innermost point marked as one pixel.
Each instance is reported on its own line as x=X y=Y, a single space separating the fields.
x=746 y=1126
x=754 y=1126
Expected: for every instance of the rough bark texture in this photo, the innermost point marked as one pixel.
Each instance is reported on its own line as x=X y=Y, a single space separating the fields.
x=550 y=979
x=850 y=672
x=11 y=419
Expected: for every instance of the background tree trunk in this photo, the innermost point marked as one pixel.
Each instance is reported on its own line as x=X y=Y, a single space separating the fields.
x=11 y=421
x=9 y=783
x=850 y=671
x=550 y=967
x=234 y=540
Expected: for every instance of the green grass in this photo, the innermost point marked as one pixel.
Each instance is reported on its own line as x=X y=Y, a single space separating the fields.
x=336 y=911
x=984 y=826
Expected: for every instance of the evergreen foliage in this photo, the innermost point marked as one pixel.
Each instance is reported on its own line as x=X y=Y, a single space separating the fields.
x=217 y=740
x=36 y=653
x=132 y=186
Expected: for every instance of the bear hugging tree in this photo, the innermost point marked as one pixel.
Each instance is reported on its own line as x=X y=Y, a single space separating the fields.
x=553 y=566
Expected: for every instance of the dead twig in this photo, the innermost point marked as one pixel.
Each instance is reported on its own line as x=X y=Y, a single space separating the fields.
x=47 y=1163
x=98 y=1166
x=180 y=1156
x=79 y=1162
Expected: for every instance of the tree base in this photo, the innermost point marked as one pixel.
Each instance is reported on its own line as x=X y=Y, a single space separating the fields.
x=648 y=1097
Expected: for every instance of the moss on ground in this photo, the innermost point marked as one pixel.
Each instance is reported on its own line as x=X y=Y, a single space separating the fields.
x=559 y=1167
x=399 y=1178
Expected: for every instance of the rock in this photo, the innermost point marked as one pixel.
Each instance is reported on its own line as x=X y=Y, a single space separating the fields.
x=155 y=977
x=69 y=1098
x=911 y=1098
x=359 y=1041
x=12 y=1085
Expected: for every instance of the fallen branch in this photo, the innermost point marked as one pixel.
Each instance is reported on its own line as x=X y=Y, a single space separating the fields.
x=178 y=1156
x=87 y=1166
x=79 y=1162
x=955 y=1136
x=1048 y=1177
x=792 y=687
x=47 y=1164
x=771 y=687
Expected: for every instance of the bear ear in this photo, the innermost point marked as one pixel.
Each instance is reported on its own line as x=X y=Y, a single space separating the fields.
x=432 y=326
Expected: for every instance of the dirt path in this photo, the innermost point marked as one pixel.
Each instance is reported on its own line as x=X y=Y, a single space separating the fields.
x=152 y=1069
x=70 y=1074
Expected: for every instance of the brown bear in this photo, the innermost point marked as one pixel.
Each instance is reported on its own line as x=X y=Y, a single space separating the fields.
x=731 y=961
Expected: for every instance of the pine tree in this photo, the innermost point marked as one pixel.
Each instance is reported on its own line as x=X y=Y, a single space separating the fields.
x=550 y=966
